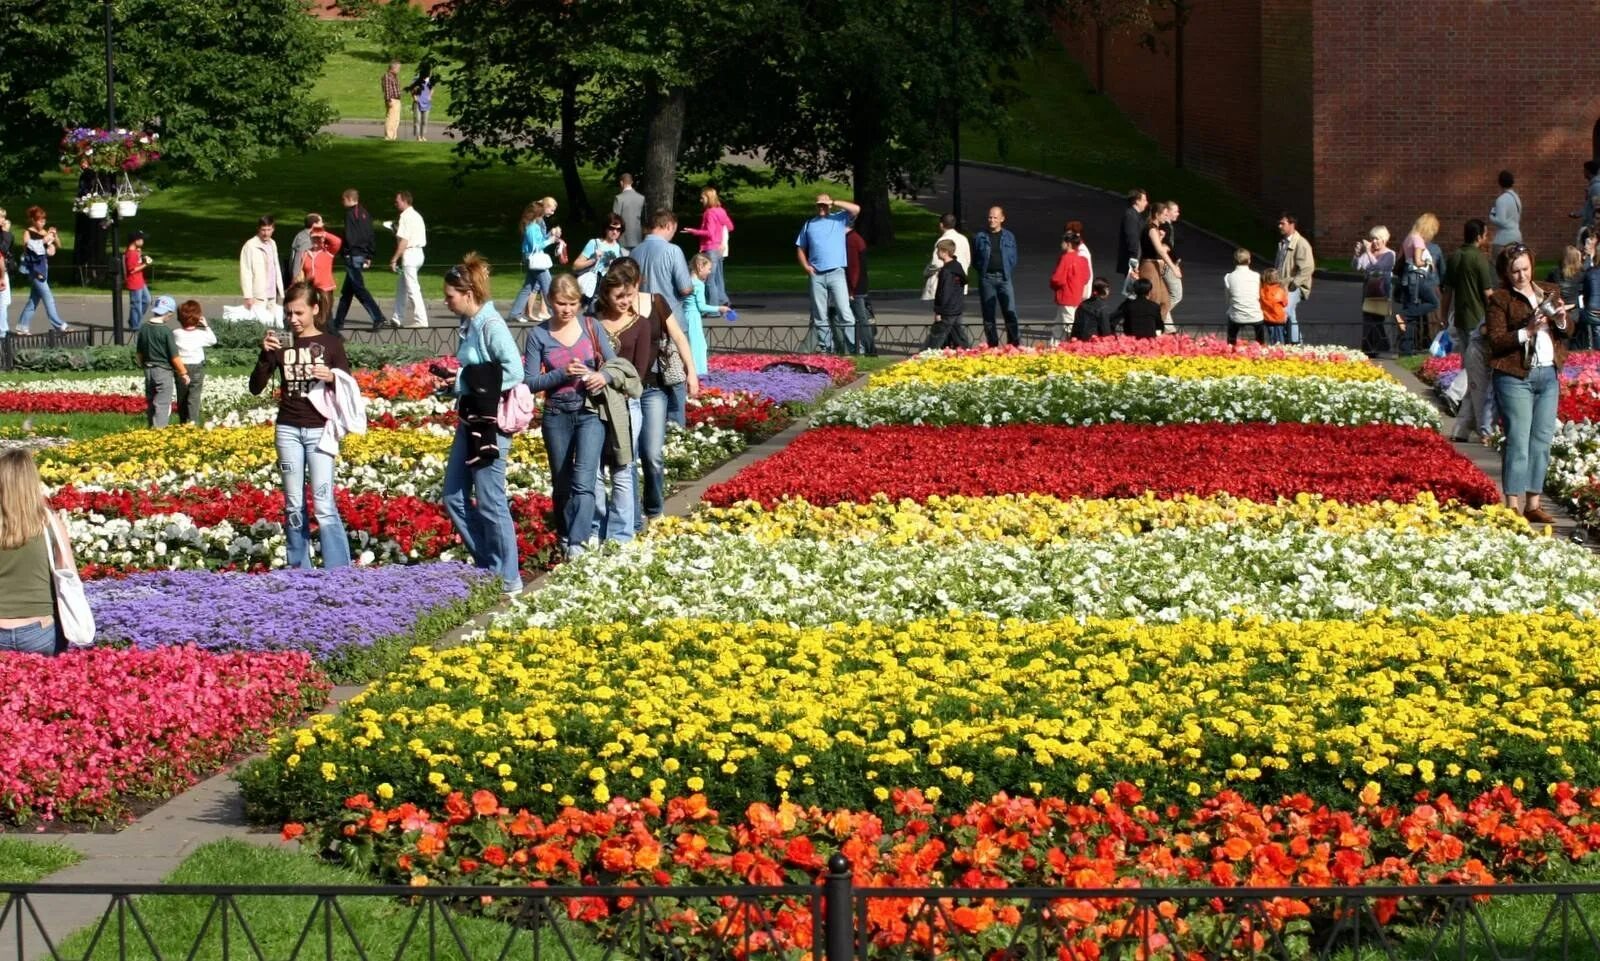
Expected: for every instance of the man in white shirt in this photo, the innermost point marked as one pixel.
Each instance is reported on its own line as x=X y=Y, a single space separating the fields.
x=1244 y=299
x=260 y=274
x=411 y=237
x=948 y=224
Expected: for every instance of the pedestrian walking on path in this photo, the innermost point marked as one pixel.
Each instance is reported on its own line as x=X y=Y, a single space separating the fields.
x=260 y=273
x=411 y=237
x=39 y=244
x=359 y=245
x=629 y=205
x=391 y=101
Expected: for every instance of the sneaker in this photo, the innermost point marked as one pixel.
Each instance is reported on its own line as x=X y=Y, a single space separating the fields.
x=394 y=322
x=515 y=592
x=419 y=324
x=25 y=332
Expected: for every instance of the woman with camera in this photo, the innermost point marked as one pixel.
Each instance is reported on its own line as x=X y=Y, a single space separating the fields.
x=1527 y=329
x=1376 y=262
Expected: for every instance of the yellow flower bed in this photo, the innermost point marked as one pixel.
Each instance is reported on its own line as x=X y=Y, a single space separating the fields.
x=1039 y=519
x=944 y=370
x=201 y=456
x=836 y=715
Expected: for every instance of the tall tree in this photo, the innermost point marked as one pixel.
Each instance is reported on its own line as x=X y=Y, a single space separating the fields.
x=224 y=83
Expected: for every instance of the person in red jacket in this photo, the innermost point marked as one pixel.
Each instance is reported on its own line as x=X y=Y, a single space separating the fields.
x=855 y=277
x=1068 y=281
x=316 y=265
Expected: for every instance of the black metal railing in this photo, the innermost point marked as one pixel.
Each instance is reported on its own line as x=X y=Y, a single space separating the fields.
x=833 y=921
x=51 y=339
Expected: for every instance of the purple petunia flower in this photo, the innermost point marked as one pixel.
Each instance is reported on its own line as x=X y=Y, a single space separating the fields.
x=780 y=385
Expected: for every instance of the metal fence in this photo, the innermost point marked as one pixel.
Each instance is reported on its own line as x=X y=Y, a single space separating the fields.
x=77 y=338
x=834 y=921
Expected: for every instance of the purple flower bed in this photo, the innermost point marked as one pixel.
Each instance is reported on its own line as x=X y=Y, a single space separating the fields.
x=355 y=621
x=781 y=386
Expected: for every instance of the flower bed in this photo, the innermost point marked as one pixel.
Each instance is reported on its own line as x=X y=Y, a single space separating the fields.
x=37 y=402
x=93 y=732
x=1213 y=572
x=329 y=614
x=968 y=705
x=780 y=386
x=1137 y=398
x=1255 y=461
x=752 y=415
x=1108 y=840
x=840 y=369
x=1119 y=347
x=936 y=368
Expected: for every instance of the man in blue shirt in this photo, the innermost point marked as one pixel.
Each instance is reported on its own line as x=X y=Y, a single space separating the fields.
x=820 y=248
x=662 y=269
x=994 y=259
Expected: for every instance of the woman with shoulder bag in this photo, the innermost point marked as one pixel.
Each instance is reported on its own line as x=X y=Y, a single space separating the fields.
x=1527 y=330
x=537 y=239
x=563 y=358
x=28 y=531
x=475 y=476
x=1376 y=261
x=642 y=323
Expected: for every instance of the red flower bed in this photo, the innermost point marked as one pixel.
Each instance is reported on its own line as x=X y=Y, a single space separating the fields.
x=1112 y=841
x=420 y=527
x=1578 y=404
x=751 y=415
x=839 y=368
x=88 y=734
x=63 y=402
x=1257 y=461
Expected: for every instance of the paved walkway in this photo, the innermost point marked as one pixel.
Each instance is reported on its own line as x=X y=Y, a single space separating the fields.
x=1037 y=209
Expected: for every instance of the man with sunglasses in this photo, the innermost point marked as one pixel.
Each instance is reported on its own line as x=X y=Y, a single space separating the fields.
x=821 y=250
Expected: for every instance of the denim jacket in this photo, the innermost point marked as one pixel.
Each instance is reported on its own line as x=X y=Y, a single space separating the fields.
x=1008 y=252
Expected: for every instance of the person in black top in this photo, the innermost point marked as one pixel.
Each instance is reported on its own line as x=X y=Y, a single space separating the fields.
x=1139 y=316
x=1127 y=260
x=359 y=246
x=1093 y=317
x=948 y=330
x=301 y=362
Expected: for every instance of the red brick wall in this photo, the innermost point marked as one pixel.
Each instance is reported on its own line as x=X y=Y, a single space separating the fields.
x=1356 y=115
x=1480 y=104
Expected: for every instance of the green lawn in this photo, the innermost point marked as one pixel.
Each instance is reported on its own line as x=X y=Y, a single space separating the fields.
x=1062 y=127
x=277 y=923
x=75 y=426
x=352 y=79
x=23 y=862
x=194 y=231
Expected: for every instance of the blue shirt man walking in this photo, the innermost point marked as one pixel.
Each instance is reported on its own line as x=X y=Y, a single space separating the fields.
x=994 y=257
x=820 y=248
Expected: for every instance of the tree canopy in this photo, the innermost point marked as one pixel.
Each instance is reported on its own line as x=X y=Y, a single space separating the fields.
x=224 y=83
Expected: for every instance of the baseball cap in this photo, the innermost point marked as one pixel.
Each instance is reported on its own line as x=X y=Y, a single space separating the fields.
x=164 y=305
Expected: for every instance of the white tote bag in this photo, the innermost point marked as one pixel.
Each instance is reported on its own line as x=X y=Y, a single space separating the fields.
x=74 y=619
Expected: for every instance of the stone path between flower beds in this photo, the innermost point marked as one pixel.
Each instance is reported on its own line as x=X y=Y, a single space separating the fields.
x=153 y=846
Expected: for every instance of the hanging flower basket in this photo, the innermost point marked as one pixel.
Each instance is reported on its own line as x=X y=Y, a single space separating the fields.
x=127 y=208
x=129 y=193
x=108 y=151
x=94 y=205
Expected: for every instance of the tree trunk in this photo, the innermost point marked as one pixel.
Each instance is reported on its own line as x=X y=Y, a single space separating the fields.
x=661 y=151
x=582 y=212
x=869 y=177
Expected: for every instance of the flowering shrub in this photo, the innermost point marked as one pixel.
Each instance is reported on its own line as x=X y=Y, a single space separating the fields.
x=840 y=369
x=1108 y=840
x=937 y=368
x=108 y=151
x=330 y=614
x=969 y=706
x=92 y=732
x=1256 y=461
x=241 y=528
x=1137 y=398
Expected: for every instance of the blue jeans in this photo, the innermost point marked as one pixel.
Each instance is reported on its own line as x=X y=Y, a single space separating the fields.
x=5 y=310
x=355 y=288
x=716 y=286
x=617 y=512
x=573 y=440
x=1294 y=321
x=32 y=639
x=1276 y=332
x=297 y=453
x=994 y=292
x=651 y=447
x=138 y=306
x=830 y=291
x=1529 y=408
x=532 y=280
x=40 y=292
x=475 y=499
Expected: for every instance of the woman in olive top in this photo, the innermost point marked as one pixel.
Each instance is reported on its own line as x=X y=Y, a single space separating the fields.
x=27 y=614
x=312 y=355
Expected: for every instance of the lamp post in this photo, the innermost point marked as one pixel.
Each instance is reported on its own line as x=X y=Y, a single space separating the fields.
x=115 y=260
x=955 y=114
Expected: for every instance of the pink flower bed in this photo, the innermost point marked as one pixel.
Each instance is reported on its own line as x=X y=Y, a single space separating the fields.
x=838 y=368
x=88 y=734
